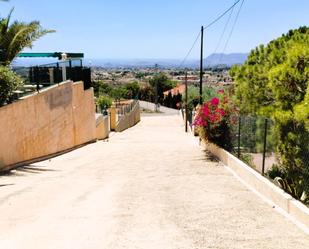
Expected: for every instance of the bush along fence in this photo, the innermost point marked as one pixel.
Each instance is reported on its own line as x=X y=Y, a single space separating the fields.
x=259 y=142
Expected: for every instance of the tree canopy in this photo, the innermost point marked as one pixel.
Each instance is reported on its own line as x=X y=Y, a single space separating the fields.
x=162 y=83
x=274 y=82
x=274 y=79
x=17 y=36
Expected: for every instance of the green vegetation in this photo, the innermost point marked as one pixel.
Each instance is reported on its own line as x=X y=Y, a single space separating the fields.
x=128 y=91
x=101 y=88
x=274 y=83
x=162 y=83
x=17 y=36
x=194 y=93
x=213 y=120
x=172 y=101
x=147 y=93
x=118 y=93
x=104 y=102
x=9 y=82
x=13 y=39
x=133 y=89
x=248 y=159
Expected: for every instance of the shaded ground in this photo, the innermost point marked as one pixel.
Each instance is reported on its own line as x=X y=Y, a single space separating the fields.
x=148 y=187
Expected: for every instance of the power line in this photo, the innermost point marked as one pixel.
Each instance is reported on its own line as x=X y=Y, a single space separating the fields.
x=222 y=15
x=223 y=32
x=232 y=30
x=190 y=50
x=205 y=27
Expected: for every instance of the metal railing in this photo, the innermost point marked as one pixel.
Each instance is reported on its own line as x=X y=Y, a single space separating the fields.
x=126 y=108
x=37 y=78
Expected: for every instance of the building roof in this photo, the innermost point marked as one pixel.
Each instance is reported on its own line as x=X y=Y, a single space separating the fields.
x=181 y=88
x=55 y=55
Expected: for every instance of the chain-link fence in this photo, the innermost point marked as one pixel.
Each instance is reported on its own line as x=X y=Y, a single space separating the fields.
x=255 y=141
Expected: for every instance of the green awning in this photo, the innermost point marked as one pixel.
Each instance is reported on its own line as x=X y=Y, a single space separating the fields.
x=54 y=55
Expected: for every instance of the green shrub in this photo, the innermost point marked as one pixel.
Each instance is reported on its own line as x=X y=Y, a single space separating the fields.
x=213 y=120
x=9 y=82
x=292 y=187
x=133 y=89
x=104 y=102
x=161 y=83
x=147 y=93
x=274 y=82
x=275 y=171
x=119 y=93
x=101 y=88
x=248 y=159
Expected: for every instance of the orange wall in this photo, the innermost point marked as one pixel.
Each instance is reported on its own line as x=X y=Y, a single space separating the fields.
x=54 y=120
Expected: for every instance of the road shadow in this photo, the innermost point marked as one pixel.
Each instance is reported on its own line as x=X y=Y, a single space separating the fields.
x=5 y=185
x=33 y=169
x=207 y=156
x=26 y=169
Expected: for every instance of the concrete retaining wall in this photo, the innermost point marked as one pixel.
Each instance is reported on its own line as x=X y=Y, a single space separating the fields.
x=102 y=126
x=54 y=120
x=261 y=184
x=130 y=119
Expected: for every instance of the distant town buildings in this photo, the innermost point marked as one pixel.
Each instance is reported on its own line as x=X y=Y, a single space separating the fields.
x=121 y=76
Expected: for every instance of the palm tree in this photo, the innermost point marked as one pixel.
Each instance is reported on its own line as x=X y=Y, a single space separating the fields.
x=17 y=36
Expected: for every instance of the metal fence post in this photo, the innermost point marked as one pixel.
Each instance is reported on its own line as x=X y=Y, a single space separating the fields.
x=36 y=74
x=238 y=149
x=264 y=147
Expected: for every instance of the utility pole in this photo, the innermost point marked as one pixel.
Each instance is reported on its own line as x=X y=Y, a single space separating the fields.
x=186 y=100
x=156 y=97
x=201 y=66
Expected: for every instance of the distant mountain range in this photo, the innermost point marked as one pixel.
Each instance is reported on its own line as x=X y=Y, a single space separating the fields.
x=210 y=61
x=225 y=59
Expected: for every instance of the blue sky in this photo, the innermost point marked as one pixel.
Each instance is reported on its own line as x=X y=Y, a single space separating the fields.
x=127 y=29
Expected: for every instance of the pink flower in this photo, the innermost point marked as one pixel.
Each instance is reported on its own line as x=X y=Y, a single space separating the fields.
x=222 y=112
x=215 y=101
x=205 y=110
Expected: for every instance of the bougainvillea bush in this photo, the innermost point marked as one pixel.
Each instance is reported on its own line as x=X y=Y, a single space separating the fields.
x=214 y=118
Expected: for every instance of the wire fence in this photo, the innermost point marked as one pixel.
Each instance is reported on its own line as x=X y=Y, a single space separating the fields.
x=254 y=141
